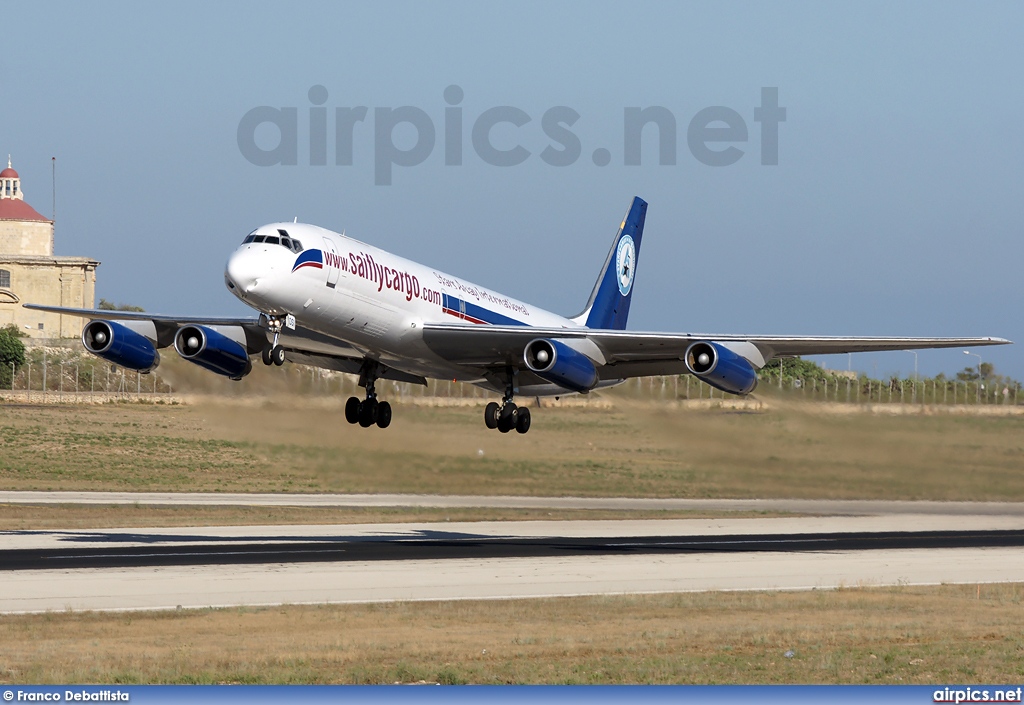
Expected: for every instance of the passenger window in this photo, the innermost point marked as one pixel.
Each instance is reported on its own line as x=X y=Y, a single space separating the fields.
x=273 y=240
x=259 y=238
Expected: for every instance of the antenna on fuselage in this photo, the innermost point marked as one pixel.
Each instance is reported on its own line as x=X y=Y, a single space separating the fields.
x=296 y=220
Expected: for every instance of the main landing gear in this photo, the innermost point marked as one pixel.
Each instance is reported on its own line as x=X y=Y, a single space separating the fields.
x=507 y=415
x=369 y=411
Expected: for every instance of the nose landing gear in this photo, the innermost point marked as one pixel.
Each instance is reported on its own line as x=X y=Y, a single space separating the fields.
x=507 y=416
x=369 y=411
x=273 y=354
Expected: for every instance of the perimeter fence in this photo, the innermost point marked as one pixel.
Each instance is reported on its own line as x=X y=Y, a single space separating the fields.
x=62 y=374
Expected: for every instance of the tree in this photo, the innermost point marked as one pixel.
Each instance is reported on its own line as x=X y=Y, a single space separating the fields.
x=12 y=352
x=970 y=374
x=795 y=368
x=111 y=306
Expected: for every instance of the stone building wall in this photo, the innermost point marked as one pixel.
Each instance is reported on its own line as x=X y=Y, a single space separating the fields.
x=55 y=281
x=21 y=237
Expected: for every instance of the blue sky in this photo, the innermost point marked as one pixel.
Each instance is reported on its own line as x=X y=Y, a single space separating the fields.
x=895 y=207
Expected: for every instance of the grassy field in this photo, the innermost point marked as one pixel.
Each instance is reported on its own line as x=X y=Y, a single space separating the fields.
x=629 y=449
x=948 y=634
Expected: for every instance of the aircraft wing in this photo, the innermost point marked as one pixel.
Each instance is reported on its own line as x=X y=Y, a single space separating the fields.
x=143 y=316
x=166 y=326
x=303 y=346
x=632 y=354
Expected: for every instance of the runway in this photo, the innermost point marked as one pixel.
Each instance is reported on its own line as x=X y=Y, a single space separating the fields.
x=167 y=568
x=443 y=546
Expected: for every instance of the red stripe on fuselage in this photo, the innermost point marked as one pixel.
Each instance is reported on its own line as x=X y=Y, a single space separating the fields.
x=462 y=316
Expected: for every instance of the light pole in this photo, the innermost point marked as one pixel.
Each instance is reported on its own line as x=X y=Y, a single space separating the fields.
x=968 y=352
x=914 y=353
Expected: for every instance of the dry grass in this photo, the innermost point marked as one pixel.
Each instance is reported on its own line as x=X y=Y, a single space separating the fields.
x=630 y=449
x=953 y=634
x=19 y=517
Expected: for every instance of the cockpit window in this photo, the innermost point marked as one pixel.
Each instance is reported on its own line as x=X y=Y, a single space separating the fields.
x=284 y=240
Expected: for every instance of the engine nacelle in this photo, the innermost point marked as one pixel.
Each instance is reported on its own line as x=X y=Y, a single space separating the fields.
x=212 y=350
x=721 y=368
x=121 y=345
x=556 y=362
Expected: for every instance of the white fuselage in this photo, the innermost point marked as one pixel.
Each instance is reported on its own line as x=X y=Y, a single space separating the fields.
x=373 y=300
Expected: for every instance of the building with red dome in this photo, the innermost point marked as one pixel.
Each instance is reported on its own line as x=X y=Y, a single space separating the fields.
x=30 y=273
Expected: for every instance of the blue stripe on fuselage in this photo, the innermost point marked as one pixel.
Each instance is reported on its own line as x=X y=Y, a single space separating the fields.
x=475 y=313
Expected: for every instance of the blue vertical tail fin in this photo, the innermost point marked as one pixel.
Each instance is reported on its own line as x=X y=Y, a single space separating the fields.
x=608 y=306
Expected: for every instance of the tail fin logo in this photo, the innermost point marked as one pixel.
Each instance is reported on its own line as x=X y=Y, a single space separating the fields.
x=625 y=264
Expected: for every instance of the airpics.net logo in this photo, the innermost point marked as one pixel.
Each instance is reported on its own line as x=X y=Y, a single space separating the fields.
x=715 y=136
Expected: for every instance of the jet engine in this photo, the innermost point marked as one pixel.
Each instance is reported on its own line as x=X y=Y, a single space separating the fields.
x=121 y=345
x=721 y=368
x=213 y=350
x=555 y=362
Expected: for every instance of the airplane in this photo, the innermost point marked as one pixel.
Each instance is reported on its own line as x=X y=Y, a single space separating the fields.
x=329 y=300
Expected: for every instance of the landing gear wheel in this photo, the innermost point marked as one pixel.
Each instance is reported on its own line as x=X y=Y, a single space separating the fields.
x=523 y=421
x=368 y=412
x=384 y=415
x=491 y=412
x=352 y=410
x=267 y=359
x=507 y=419
x=277 y=355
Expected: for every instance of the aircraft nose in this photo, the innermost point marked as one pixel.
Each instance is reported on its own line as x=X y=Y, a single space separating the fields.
x=242 y=272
